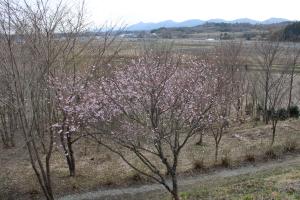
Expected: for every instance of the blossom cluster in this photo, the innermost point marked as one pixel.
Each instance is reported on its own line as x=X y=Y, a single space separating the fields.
x=151 y=97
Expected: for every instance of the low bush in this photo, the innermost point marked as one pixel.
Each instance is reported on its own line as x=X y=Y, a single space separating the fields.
x=282 y=114
x=226 y=160
x=135 y=178
x=248 y=109
x=250 y=157
x=271 y=153
x=185 y=195
x=293 y=111
x=290 y=145
x=250 y=154
x=199 y=165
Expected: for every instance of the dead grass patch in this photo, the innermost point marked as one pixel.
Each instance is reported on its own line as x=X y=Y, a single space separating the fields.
x=97 y=167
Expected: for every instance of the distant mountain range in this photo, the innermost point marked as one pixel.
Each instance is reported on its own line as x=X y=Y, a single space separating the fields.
x=196 y=22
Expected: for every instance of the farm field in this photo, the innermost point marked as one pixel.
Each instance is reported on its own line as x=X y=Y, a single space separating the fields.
x=198 y=47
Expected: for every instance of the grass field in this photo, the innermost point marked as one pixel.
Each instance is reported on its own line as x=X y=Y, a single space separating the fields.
x=276 y=184
x=98 y=168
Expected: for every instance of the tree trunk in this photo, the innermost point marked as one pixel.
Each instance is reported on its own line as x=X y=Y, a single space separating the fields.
x=216 y=153
x=175 y=194
x=12 y=129
x=266 y=118
x=200 y=142
x=238 y=109
x=42 y=174
x=290 y=91
x=69 y=154
x=274 y=123
x=273 y=137
x=71 y=157
x=7 y=129
x=5 y=145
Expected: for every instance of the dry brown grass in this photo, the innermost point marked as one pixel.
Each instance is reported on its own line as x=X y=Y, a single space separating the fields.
x=97 y=167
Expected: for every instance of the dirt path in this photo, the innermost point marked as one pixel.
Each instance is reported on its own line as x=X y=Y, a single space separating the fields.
x=133 y=192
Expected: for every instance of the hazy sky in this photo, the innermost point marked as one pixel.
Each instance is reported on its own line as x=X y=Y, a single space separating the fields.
x=133 y=11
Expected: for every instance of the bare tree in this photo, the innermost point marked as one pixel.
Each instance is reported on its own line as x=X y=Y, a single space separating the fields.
x=276 y=99
x=267 y=53
x=39 y=39
x=219 y=117
x=230 y=56
x=8 y=117
x=255 y=94
x=293 y=57
x=26 y=86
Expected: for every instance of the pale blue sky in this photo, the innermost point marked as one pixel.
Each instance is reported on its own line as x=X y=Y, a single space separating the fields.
x=133 y=11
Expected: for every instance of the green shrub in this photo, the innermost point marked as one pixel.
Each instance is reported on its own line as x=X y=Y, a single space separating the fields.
x=291 y=32
x=184 y=195
x=294 y=111
x=247 y=197
x=282 y=114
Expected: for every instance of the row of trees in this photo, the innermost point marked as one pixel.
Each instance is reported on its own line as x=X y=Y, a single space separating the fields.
x=58 y=87
x=40 y=39
x=278 y=66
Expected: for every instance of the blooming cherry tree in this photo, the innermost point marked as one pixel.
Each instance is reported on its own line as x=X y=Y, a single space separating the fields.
x=151 y=107
x=160 y=102
x=75 y=101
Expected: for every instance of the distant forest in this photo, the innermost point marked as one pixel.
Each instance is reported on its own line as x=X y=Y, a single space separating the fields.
x=291 y=32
